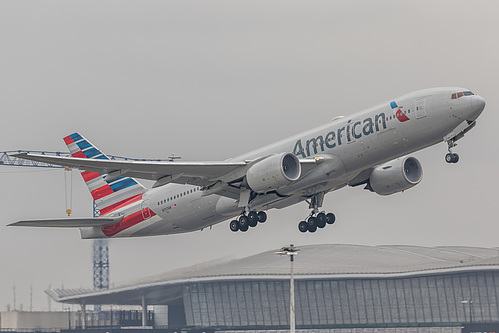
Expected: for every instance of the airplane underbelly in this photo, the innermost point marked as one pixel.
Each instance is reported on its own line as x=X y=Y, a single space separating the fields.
x=184 y=216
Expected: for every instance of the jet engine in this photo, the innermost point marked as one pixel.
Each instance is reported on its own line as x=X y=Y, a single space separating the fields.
x=273 y=172
x=395 y=176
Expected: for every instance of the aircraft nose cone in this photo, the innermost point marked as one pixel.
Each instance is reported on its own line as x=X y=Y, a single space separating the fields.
x=477 y=104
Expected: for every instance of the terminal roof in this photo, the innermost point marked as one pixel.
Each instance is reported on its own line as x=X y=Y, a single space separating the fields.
x=328 y=261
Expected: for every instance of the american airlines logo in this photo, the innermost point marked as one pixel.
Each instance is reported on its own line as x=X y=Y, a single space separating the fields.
x=401 y=116
x=346 y=134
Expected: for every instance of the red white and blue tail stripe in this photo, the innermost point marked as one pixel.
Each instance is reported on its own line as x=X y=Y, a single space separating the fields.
x=108 y=196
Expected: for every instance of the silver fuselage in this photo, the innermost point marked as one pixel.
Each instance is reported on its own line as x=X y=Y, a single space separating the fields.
x=358 y=142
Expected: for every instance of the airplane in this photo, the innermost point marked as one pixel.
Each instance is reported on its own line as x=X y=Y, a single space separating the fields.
x=367 y=148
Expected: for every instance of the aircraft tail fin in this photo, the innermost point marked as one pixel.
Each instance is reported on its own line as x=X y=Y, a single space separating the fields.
x=107 y=194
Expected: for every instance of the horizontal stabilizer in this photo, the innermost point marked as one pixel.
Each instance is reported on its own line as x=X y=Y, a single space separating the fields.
x=77 y=222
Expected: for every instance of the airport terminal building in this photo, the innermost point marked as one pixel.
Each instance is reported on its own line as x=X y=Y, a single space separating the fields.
x=336 y=287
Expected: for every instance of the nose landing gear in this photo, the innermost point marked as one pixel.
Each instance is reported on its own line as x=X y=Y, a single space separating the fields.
x=245 y=221
x=451 y=157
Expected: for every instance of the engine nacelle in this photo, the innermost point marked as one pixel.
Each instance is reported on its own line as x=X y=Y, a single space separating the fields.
x=273 y=172
x=396 y=176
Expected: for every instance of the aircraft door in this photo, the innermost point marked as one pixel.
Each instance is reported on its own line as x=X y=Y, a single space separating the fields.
x=146 y=213
x=420 y=108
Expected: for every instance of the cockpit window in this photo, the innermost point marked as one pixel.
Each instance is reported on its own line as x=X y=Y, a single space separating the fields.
x=461 y=94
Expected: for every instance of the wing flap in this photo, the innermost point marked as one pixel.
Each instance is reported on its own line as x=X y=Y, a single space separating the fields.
x=68 y=222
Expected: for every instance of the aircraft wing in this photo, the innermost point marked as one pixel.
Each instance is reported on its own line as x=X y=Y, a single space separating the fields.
x=183 y=172
x=195 y=173
x=68 y=222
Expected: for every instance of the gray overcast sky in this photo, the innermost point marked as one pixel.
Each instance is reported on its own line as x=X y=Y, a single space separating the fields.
x=212 y=79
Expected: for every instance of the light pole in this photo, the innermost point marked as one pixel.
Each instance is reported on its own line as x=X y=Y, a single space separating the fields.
x=470 y=302
x=290 y=251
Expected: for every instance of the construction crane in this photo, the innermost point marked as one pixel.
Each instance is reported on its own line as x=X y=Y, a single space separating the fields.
x=100 y=253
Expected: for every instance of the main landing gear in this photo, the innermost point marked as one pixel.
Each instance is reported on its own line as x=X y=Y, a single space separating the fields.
x=316 y=219
x=247 y=220
x=451 y=157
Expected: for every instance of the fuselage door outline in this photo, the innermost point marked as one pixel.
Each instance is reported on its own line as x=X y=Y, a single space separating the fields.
x=420 y=108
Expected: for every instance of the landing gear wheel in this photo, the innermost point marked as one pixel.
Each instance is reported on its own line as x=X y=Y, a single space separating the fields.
x=234 y=225
x=303 y=226
x=312 y=223
x=243 y=223
x=452 y=158
x=330 y=218
x=262 y=217
x=321 y=220
x=312 y=229
x=252 y=219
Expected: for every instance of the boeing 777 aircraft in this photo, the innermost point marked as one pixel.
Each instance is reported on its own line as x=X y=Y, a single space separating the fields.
x=367 y=148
